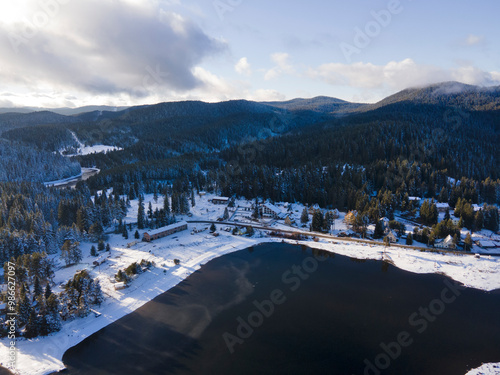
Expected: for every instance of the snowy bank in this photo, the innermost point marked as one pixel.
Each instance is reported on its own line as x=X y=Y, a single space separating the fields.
x=44 y=355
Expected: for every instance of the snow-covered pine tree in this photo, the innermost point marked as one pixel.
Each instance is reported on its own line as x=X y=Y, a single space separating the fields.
x=97 y=296
x=37 y=288
x=140 y=214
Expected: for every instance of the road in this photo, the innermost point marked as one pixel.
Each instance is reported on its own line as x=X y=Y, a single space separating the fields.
x=326 y=236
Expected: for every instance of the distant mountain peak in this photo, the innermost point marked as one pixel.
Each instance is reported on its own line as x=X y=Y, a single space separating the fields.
x=324 y=104
x=449 y=93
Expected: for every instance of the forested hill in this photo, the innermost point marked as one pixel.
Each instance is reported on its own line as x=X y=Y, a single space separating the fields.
x=318 y=104
x=449 y=127
x=451 y=94
x=13 y=120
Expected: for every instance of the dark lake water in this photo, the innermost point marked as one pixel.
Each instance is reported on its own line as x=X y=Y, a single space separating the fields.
x=333 y=316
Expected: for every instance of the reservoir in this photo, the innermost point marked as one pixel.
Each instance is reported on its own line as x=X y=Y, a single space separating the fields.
x=283 y=309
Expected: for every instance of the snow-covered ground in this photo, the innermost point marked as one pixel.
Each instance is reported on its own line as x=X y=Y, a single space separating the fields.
x=87 y=150
x=486 y=369
x=44 y=355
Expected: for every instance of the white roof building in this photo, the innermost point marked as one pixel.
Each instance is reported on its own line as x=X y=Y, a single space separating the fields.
x=448 y=242
x=271 y=209
x=167 y=228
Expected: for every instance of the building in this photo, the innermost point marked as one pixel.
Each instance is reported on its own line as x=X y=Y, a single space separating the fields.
x=392 y=237
x=219 y=200
x=477 y=207
x=446 y=243
x=120 y=286
x=313 y=208
x=442 y=207
x=487 y=244
x=164 y=231
x=269 y=209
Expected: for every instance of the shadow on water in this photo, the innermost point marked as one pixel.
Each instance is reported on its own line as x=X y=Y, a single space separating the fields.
x=334 y=318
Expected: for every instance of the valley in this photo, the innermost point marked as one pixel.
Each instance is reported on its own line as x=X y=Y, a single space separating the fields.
x=412 y=181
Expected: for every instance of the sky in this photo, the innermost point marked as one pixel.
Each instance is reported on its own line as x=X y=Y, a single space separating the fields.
x=71 y=53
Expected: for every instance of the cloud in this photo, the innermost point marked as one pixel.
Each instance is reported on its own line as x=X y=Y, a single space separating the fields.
x=265 y=95
x=243 y=67
x=398 y=75
x=283 y=65
x=96 y=47
x=473 y=40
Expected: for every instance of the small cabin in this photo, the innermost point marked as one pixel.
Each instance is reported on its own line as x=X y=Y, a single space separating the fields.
x=120 y=285
x=219 y=200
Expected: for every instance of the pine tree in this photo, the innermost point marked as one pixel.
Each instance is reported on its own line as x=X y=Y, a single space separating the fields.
x=184 y=204
x=125 y=232
x=447 y=214
x=304 y=218
x=256 y=210
x=150 y=210
x=100 y=245
x=96 y=293
x=53 y=317
x=250 y=231
x=212 y=228
x=226 y=214
x=32 y=326
x=379 y=229
x=137 y=235
x=140 y=214
x=71 y=252
x=108 y=247
x=478 y=221
x=93 y=251
x=317 y=221
x=468 y=242
x=80 y=219
x=48 y=291
x=24 y=307
x=409 y=239
x=37 y=288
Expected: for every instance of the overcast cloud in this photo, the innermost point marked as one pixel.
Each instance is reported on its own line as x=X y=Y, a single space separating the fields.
x=104 y=47
x=56 y=53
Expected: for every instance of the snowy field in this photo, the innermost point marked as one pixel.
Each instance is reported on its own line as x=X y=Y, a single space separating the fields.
x=43 y=355
x=87 y=150
x=95 y=149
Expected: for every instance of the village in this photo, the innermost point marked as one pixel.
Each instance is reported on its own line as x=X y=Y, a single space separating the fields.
x=161 y=258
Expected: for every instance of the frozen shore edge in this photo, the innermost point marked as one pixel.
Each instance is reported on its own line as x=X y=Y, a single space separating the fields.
x=43 y=355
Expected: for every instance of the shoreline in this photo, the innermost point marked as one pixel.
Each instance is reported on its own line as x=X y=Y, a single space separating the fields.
x=71 y=179
x=43 y=355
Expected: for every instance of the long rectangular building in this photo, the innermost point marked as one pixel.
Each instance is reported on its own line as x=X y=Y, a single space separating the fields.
x=164 y=231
